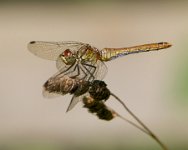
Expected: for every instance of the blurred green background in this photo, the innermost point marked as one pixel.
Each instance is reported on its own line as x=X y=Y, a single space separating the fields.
x=154 y=85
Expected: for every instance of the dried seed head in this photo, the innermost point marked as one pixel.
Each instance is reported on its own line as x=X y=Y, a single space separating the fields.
x=98 y=108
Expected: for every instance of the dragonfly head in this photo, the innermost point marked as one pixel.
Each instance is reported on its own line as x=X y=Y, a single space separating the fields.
x=68 y=57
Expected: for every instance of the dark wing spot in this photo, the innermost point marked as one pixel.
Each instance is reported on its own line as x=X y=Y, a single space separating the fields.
x=32 y=42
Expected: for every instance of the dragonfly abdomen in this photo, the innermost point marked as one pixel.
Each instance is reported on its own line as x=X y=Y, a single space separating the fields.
x=112 y=53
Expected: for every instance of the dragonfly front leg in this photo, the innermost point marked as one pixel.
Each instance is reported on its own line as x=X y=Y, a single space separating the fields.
x=64 y=71
x=78 y=71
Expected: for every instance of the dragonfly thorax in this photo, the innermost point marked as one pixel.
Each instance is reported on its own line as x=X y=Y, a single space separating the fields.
x=89 y=54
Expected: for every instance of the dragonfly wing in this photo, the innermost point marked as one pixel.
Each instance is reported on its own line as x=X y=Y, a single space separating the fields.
x=51 y=50
x=93 y=70
x=60 y=65
x=101 y=70
x=73 y=102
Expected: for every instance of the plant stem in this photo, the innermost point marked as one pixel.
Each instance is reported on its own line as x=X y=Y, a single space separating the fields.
x=132 y=123
x=149 y=132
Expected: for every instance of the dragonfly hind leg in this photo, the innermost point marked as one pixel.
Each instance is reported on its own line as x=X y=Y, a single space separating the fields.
x=85 y=74
x=90 y=72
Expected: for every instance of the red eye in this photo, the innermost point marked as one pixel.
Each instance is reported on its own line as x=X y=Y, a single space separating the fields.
x=67 y=52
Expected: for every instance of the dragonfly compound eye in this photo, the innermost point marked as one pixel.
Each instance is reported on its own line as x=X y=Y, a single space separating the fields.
x=68 y=57
x=67 y=53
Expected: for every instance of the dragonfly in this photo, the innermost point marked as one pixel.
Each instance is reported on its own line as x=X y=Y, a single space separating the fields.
x=82 y=62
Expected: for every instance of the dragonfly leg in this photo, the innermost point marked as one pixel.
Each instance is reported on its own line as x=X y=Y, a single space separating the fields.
x=64 y=71
x=78 y=71
x=85 y=74
x=90 y=72
x=67 y=73
x=92 y=66
x=68 y=68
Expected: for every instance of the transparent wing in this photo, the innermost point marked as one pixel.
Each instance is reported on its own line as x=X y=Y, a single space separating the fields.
x=51 y=50
x=98 y=69
x=69 y=70
x=75 y=100
x=60 y=65
x=101 y=70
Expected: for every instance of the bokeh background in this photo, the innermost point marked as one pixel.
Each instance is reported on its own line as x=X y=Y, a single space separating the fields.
x=154 y=85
